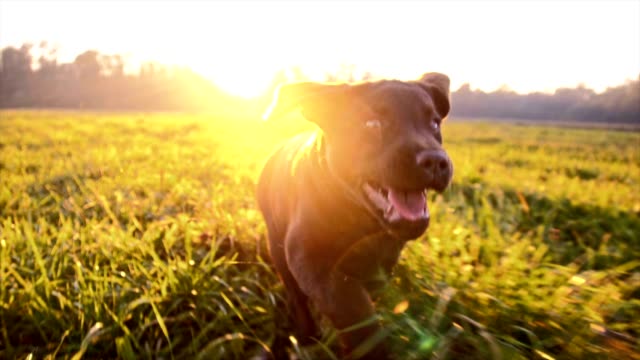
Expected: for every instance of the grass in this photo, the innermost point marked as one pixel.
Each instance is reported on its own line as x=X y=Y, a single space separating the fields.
x=137 y=236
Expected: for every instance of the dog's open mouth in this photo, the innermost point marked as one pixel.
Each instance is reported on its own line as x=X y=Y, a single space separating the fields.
x=397 y=206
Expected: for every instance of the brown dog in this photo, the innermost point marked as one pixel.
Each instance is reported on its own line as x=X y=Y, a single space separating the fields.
x=340 y=203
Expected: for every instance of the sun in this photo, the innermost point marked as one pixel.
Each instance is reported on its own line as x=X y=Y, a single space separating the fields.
x=243 y=71
x=238 y=81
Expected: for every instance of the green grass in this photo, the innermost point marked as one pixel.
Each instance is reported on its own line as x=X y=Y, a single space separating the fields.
x=137 y=236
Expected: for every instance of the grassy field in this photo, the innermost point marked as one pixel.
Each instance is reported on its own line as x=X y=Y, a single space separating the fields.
x=137 y=236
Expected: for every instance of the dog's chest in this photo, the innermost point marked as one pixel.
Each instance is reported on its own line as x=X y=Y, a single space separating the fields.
x=371 y=259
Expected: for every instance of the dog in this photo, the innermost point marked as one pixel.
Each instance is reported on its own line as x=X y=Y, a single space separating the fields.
x=341 y=202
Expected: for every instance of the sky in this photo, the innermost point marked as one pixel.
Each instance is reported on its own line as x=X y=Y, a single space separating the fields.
x=524 y=45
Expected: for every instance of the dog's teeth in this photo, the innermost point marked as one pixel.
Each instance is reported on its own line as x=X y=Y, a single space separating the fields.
x=389 y=210
x=376 y=196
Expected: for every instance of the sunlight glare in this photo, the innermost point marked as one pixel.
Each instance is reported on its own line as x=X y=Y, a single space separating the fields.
x=239 y=81
x=242 y=46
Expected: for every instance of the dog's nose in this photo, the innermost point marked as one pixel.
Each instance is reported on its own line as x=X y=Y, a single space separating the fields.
x=434 y=161
x=438 y=167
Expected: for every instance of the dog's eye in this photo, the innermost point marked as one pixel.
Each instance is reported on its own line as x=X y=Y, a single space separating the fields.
x=436 y=123
x=373 y=124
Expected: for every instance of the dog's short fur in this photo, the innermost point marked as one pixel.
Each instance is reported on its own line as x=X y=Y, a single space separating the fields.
x=340 y=203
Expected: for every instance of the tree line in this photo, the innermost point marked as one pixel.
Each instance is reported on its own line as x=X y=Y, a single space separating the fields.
x=619 y=104
x=98 y=81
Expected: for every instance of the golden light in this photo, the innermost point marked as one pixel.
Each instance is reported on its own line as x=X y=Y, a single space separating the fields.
x=529 y=46
x=236 y=80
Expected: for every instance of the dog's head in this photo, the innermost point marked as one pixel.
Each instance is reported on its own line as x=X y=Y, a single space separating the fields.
x=383 y=142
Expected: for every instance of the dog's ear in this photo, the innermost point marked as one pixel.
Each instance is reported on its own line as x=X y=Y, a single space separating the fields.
x=316 y=100
x=437 y=85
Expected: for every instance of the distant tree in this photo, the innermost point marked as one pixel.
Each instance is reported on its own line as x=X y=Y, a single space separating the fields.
x=111 y=65
x=15 y=75
x=88 y=65
x=367 y=76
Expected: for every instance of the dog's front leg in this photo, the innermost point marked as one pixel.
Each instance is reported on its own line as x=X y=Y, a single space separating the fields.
x=346 y=302
x=343 y=299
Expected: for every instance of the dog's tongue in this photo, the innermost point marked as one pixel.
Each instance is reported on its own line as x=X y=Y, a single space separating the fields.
x=409 y=204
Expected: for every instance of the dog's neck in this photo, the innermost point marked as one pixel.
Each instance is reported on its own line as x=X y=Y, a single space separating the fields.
x=334 y=196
